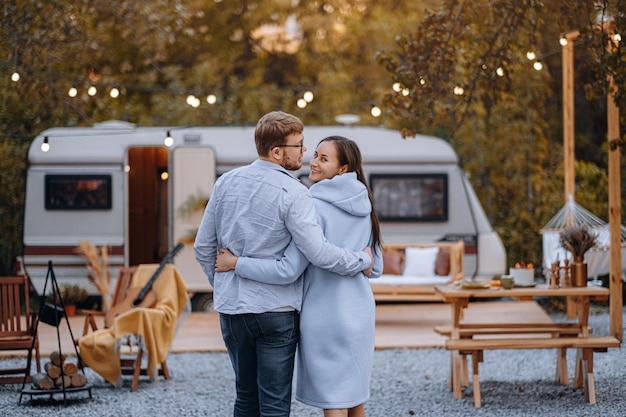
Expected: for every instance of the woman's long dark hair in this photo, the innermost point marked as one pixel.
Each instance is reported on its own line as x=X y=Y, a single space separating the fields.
x=349 y=154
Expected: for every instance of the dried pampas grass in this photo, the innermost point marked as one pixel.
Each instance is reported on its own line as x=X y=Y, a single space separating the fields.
x=97 y=264
x=578 y=240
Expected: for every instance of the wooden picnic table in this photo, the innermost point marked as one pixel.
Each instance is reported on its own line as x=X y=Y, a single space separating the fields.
x=472 y=339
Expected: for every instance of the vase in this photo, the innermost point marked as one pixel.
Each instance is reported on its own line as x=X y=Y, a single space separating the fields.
x=579 y=273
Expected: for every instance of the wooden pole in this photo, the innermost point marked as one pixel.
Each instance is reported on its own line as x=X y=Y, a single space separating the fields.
x=615 y=217
x=568 y=137
x=568 y=116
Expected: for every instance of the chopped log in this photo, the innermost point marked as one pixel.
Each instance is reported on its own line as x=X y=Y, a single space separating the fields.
x=78 y=380
x=57 y=358
x=43 y=381
x=52 y=370
x=65 y=379
x=69 y=368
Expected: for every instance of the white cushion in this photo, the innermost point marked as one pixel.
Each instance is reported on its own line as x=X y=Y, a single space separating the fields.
x=420 y=261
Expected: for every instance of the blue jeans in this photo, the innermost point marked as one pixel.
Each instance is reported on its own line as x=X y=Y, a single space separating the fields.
x=262 y=351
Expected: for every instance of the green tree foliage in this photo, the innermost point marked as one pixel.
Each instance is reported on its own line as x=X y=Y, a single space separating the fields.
x=463 y=74
x=255 y=56
x=12 y=165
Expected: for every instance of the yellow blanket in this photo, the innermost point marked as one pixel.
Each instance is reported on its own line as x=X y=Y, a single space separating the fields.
x=153 y=328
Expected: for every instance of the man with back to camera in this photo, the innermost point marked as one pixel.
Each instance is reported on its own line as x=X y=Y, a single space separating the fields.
x=256 y=211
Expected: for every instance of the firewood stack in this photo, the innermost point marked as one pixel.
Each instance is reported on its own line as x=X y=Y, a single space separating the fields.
x=59 y=373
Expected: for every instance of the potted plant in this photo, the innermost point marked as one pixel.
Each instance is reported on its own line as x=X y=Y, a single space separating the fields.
x=71 y=294
x=194 y=205
x=578 y=240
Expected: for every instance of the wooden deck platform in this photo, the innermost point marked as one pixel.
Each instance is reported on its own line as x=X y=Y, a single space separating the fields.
x=397 y=326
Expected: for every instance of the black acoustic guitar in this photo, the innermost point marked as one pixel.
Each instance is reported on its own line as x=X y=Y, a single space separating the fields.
x=141 y=297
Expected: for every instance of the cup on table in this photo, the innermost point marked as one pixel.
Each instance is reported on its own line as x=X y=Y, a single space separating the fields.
x=507 y=281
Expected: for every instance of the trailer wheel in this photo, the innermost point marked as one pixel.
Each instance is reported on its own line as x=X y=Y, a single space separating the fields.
x=202 y=302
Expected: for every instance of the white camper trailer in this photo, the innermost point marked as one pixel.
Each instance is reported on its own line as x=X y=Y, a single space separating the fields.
x=118 y=185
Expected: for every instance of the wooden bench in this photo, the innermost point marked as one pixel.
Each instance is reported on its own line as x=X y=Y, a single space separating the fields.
x=394 y=285
x=585 y=346
x=518 y=330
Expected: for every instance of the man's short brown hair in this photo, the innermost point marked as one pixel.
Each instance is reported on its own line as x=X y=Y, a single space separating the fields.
x=272 y=129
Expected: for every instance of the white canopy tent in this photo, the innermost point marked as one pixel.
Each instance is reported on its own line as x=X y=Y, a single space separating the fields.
x=598 y=258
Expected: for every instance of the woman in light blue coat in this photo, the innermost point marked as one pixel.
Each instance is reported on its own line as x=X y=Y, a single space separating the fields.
x=337 y=319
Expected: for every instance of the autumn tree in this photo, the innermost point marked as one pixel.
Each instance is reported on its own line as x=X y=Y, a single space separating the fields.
x=464 y=74
x=253 y=57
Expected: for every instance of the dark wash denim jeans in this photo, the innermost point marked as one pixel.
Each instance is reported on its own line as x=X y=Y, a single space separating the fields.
x=262 y=350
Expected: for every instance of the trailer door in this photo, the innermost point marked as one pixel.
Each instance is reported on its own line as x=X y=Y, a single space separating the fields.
x=193 y=177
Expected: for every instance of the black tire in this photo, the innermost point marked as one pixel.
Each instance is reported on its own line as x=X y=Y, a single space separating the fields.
x=202 y=302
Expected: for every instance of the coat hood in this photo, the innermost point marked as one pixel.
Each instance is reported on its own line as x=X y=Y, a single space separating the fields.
x=344 y=192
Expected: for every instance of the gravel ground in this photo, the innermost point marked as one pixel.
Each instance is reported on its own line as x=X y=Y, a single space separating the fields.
x=405 y=382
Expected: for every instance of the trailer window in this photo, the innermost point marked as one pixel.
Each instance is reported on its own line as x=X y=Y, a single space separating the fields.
x=78 y=192
x=411 y=197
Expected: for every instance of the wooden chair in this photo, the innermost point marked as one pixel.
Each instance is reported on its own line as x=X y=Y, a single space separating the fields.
x=131 y=356
x=15 y=333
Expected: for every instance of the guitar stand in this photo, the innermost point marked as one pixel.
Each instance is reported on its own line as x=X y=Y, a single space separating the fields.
x=52 y=314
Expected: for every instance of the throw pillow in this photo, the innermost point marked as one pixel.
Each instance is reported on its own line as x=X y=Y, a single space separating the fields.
x=442 y=264
x=420 y=261
x=392 y=262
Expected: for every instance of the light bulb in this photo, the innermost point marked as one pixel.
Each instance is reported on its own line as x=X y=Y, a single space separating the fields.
x=530 y=55
x=169 y=141
x=211 y=99
x=15 y=77
x=92 y=90
x=538 y=66
x=308 y=96
x=563 y=41
x=301 y=103
x=72 y=92
x=114 y=93
x=376 y=111
x=45 y=146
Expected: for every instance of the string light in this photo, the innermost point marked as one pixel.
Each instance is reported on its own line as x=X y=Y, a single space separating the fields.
x=193 y=101
x=169 y=141
x=45 y=146
x=308 y=96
